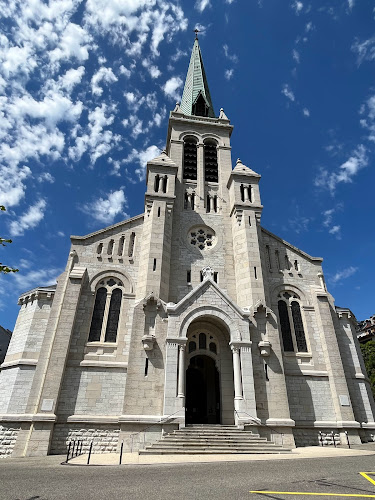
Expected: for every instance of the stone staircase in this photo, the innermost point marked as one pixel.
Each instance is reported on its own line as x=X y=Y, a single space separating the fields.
x=212 y=439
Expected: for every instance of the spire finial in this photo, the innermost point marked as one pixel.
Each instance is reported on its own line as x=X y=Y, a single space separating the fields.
x=196 y=31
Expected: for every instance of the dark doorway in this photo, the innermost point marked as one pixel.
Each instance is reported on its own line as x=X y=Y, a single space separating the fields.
x=202 y=391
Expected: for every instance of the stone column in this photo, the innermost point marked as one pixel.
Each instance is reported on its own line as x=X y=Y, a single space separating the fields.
x=181 y=372
x=237 y=373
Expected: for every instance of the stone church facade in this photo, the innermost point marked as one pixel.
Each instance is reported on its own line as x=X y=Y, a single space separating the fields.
x=189 y=313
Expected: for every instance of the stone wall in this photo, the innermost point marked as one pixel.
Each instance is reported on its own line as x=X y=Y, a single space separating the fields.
x=8 y=437
x=310 y=437
x=310 y=398
x=104 y=437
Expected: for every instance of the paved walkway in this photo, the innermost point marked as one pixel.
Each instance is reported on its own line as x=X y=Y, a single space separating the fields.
x=306 y=452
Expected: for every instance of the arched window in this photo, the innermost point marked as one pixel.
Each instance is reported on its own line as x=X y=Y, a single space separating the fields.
x=192 y=346
x=210 y=161
x=108 y=298
x=190 y=158
x=291 y=324
x=131 y=245
x=99 y=248
x=156 y=183
x=110 y=247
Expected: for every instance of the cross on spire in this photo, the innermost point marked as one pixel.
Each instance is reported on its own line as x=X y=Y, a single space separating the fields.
x=196 y=31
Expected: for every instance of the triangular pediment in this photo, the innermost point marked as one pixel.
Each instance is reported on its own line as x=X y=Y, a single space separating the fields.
x=206 y=288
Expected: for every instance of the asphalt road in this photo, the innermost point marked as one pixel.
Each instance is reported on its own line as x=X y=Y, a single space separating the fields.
x=46 y=479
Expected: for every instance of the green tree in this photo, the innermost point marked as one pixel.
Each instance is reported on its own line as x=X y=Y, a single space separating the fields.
x=3 y=268
x=368 y=353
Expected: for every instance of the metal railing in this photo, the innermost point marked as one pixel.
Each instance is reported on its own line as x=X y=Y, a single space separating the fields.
x=74 y=450
x=162 y=421
x=333 y=438
x=258 y=422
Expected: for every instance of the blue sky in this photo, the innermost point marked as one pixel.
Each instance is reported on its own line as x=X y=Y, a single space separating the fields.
x=85 y=93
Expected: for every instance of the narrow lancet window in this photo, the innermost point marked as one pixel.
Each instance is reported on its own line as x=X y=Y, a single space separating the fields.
x=286 y=331
x=298 y=327
x=98 y=315
x=165 y=182
x=113 y=316
x=190 y=158
x=131 y=245
x=242 y=192
x=110 y=247
x=121 y=246
x=210 y=162
x=156 y=183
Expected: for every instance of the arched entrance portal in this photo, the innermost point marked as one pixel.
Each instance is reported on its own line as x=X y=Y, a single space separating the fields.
x=202 y=391
x=208 y=384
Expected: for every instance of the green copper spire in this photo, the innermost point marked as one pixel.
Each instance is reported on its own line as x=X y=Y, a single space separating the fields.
x=196 y=99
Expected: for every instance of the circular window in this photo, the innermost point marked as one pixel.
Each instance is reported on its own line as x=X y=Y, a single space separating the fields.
x=202 y=237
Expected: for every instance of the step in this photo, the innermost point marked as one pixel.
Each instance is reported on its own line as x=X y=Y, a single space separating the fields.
x=209 y=451
x=176 y=439
x=209 y=433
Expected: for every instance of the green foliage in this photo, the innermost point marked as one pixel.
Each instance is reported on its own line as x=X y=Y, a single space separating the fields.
x=368 y=353
x=5 y=269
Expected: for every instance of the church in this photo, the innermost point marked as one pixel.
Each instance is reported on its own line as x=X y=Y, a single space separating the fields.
x=188 y=315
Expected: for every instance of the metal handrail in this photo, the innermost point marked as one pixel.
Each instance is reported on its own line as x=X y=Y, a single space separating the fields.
x=162 y=421
x=259 y=422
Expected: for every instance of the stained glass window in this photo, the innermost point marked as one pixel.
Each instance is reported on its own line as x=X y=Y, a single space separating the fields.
x=286 y=331
x=97 y=316
x=113 y=316
x=298 y=327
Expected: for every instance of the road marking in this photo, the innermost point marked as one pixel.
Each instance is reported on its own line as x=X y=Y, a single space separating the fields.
x=363 y=474
x=260 y=492
x=366 y=476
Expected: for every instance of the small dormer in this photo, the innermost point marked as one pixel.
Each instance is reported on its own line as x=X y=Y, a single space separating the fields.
x=161 y=176
x=243 y=186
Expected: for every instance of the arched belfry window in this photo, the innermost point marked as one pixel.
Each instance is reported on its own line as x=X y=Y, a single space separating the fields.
x=107 y=308
x=291 y=323
x=210 y=161
x=190 y=158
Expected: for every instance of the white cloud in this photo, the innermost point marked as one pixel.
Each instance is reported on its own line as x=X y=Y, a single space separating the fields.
x=32 y=279
x=142 y=157
x=105 y=210
x=179 y=53
x=29 y=220
x=96 y=141
x=102 y=75
x=171 y=87
x=152 y=69
x=346 y=171
x=201 y=28
x=74 y=43
x=125 y=71
x=335 y=230
x=288 y=92
x=296 y=56
x=133 y=23
x=297 y=6
x=12 y=186
x=71 y=78
x=309 y=27
x=202 y=4
x=47 y=177
x=345 y=273
x=61 y=234
x=350 y=4
x=228 y=55
x=306 y=112
x=228 y=73
x=365 y=50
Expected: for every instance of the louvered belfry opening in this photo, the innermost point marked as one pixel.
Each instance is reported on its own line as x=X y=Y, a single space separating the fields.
x=210 y=162
x=190 y=158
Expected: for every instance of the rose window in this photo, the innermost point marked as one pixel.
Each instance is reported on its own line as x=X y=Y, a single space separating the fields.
x=202 y=238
